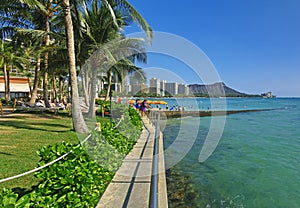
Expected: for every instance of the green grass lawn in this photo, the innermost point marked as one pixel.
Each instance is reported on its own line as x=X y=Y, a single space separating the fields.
x=21 y=136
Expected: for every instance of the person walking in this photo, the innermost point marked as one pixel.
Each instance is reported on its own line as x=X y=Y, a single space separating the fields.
x=143 y=107
x=137 y=104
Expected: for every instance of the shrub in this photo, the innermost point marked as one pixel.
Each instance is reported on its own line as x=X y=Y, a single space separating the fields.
x=75 y=181
x=82 y=176
x=10 y=199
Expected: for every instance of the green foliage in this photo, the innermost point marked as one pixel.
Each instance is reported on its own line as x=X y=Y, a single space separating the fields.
x=6 y=102
x=123 y=136
x=135 y=118
x=102 y=103
x=105 y=154
x=75 y=181
x=81 y=177
x=8 y=199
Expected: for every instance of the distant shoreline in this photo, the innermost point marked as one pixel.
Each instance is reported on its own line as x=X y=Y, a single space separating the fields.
x=178 y=114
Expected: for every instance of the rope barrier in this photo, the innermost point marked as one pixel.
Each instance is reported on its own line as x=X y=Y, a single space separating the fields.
x=121 y=119
x=57 y=159
x=34 y=170
x=44 y=166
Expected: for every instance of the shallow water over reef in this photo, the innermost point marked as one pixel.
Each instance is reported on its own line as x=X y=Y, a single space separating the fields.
x=256 y=163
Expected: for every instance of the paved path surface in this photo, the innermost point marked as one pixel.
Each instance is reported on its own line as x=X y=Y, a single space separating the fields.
x=131 y=184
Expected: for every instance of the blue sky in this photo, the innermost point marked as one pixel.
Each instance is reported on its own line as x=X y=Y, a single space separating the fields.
x=253 y=44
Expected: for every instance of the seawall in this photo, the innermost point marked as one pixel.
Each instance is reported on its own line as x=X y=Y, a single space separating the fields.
x=178 y=114
x=131 y=185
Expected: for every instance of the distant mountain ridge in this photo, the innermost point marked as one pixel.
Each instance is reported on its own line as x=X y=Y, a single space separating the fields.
x=218 y=89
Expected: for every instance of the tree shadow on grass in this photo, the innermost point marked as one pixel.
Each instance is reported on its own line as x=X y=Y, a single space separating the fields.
x=34 y=126
x=5 y=153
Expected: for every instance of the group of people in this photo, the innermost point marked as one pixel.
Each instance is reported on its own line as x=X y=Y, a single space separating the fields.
x=63 y=104
x=141 y=106
x=176 y=108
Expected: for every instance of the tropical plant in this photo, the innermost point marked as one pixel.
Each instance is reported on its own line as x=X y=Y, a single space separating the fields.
x=9 y=57
x=81 y=177
x=118 y=12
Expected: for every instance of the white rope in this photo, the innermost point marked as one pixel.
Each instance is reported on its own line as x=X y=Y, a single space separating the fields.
x=34 y=170
x=44 y=166
x=121 y=119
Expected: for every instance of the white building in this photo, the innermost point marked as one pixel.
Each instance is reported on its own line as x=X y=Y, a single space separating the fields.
x=183 y=89
x=172 y=88
x=139 y=88
x=155 y=86
x=162 y=87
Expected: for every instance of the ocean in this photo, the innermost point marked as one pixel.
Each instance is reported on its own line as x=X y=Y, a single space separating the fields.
x=255 y=164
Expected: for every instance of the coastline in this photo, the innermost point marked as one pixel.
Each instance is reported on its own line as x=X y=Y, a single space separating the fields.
x=178 y=114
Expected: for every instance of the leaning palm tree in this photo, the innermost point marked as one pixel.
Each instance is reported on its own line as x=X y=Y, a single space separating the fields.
x=103 y=23
x=121 y=69
x=123 y=5
x=112 y=57
x=78 y=120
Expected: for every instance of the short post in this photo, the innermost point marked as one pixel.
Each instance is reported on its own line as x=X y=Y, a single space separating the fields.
x=1 y=108
x=110 y=99
x=98 y=126
x=15 y=103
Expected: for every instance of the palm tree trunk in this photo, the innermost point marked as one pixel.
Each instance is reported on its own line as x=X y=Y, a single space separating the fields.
x=46 y=57
x=6 y=82
x=124 y=81
x=108 y=85
x=85 y=87
x=61 y=89
x=54 y=87
x=45 y=90
x=91 y=113
x=78 y=121
x=36 y=81
x=29 y=84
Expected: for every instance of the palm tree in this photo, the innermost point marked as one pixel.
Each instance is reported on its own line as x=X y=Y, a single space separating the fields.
x=58 y=68
x=78 y=121
x=121 y=69
x=121 y=6
x=32 y=52
x=113 y=57
x=9 y=57
x=40 y=7
x=6 y=57
x=103 y=23
x=31 y=18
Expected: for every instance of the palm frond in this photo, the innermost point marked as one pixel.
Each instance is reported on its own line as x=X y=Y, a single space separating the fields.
x=34 y=4
x=136 y=16
x=38 y=34
x=112 y=13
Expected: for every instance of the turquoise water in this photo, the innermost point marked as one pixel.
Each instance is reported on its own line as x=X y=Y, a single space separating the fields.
x=257 y=161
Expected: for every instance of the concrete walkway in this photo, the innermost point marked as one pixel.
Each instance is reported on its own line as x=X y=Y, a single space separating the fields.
x=131 y=184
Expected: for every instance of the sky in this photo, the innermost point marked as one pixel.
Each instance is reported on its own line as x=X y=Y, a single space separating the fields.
x=254 y=45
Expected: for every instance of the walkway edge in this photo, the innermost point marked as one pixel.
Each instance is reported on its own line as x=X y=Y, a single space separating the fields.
x=131 y=184
x=162 y=182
